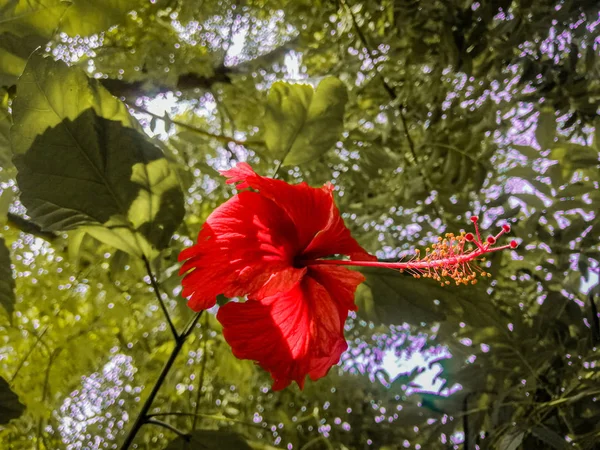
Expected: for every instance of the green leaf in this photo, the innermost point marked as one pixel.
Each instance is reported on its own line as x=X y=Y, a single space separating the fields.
x=511 y=441
x=10 y=406
x=532 y=200
x=49 y=91
x=300 y=123
x=25 y=25
x=7 y=283
x=94 y=172
x=5 y=152
x=546 y=129
x=550 y=437
x=88 y=17
x=390 y=297
x=209 y=440
x=79 y=169
x=25 y=17
x=530 y=152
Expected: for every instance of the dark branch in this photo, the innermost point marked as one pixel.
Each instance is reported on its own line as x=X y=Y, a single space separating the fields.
x=221 y=74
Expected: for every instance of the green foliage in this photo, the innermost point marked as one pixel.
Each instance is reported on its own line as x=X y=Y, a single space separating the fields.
x=426 y=113
x=77 y=168
x=209 y=440
x=7 y=282
x=301 y=123
x=10 y=407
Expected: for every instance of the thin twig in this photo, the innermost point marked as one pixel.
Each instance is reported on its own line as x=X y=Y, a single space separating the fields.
x=208 y=134
x=142 y=417
x=202 y=372
x=208 y=416
x=45 y=390
x=22 y=363
x=168 y=427
x=159 y=297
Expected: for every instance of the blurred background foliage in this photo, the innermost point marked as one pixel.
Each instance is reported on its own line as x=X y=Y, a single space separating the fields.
x=449 y=108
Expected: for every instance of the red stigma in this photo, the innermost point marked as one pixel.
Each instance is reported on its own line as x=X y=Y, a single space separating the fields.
x=474 y=219
x=514 y=244
x=470 y=237
x=491 y=240
x=506 y=228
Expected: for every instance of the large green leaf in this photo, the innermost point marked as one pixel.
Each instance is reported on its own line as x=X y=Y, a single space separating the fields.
x=209 y=440
x=7 y=283
x=27 y=24
x=24 y=26
x=87 y=17
x=301 y=123
x=31 y=17
x=77 y=168
x=49 y=91
x=10 y=406
x=390 y=297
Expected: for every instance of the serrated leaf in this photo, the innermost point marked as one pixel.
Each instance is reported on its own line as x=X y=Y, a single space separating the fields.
x=50 y=91
x=7 y=283
x=209 y=440
x=10 y=406
x=76 y=168
x=301 y=123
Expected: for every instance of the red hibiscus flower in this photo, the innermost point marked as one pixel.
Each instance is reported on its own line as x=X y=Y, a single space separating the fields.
x=267 y=245
x=260 y=245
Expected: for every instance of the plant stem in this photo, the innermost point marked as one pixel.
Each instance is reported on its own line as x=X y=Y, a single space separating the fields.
x=160 y=423
x=159 y=297
x=22 y=362
x=142 y=417
x=217 y=137
x=201 y=377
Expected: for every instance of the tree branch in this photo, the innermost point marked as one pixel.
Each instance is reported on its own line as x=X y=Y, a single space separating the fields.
x=143 y=416
x=217 y=137
x=188 y=81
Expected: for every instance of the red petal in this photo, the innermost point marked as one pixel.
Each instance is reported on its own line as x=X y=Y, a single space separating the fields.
x=321 y=230
x=291 y=335
x=340 y=283
x=246 y=246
